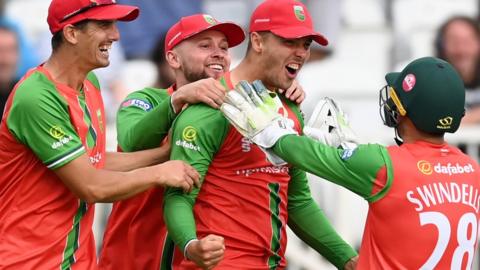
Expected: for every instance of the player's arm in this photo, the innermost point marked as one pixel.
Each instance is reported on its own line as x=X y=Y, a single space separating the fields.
x=100 y=185
x=144 y=119
x=311 y=225
x=39 y=119
x=197 y=135
x=366 y=170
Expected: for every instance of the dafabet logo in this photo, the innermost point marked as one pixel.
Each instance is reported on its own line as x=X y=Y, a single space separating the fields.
x=189 y=133
x=424 y=167
x=427 y=168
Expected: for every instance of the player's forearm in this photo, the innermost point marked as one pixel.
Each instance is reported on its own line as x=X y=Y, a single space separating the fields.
x=144 y=131
x=178 y=214
x=100 y=185
x=117 y=161
x=354 y=172
x=311 y=225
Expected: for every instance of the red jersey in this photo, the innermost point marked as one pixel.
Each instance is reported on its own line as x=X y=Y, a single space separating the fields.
x=43 y=225
x=429 y=217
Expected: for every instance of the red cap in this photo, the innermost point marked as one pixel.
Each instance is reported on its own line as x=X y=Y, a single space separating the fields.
x=285 y=18
x=194 y=24
x=64 y=12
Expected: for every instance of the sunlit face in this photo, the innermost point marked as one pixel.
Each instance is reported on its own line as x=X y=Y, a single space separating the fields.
x=95 y=42
x=462 y=47
x=9 y=56
x=204 y=55
x=282 y=59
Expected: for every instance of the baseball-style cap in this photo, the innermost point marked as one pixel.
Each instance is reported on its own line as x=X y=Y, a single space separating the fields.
x=431 y=93
x=194 y=24
x=64 y=12
x=285 y=18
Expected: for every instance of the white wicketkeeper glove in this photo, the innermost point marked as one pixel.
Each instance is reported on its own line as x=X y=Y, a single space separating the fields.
x=329 y=125
x=252 y=110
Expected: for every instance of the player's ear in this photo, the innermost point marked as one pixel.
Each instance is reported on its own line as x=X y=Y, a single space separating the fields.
x=70 y=34
x=256 y=41
x=173 y=59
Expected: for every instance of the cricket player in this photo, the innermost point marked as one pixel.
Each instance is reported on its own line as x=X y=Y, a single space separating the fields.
x=424 y=194
x=53 y=163
x=197 y=49
x=244 y=198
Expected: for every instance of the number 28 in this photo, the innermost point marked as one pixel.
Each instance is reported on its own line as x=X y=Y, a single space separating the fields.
x=465 y=245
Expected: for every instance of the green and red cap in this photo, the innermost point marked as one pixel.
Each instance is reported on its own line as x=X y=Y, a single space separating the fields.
x=65 y=12
x=285 y=18
x=431 y=93
x=195 y=24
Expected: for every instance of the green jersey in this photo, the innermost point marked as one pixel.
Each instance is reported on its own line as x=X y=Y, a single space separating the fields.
x=243 y=197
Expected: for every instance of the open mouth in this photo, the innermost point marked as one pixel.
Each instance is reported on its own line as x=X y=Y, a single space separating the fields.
x=104 y=49
x=216 y=67
x=292 y=69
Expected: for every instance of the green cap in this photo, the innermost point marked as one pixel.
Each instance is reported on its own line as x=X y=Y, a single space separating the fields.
x=432 y=94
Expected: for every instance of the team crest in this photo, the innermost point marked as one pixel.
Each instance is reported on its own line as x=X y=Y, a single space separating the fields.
x=299 y=13
x=209 y=19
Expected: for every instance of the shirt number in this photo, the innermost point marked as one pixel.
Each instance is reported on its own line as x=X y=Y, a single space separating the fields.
x=466 y=244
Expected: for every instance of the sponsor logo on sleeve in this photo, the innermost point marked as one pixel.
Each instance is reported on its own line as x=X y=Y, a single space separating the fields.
x=347 y=153
x=60 y=137
x=189 y=134
x=142 y=104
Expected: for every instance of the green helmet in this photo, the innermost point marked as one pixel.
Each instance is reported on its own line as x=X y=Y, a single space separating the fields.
x=430 y=92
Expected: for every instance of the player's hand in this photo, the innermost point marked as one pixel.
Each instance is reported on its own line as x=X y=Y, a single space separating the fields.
x=252 y=110
x=176 y=173
x=295 y=92
x=208 y=91
x=206 y=252
x=329 y=125
x=351 y=264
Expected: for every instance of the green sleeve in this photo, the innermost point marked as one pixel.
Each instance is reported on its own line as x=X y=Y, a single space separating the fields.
x=355 y=170
x=198 y=133
x=144 y=119
x=311 y=225
x=39 y=119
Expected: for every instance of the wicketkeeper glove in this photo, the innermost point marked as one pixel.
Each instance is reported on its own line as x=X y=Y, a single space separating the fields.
x=329 y=125
x=253 y=111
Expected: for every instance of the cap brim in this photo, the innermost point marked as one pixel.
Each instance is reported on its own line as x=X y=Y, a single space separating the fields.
x=234 y=33
x=110 y=12
x=392 y=77
x=300 y=32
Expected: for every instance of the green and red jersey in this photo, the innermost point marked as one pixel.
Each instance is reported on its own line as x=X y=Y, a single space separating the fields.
x=424 y=199
x=243 y=197
x=136 y=236
x=46 y=124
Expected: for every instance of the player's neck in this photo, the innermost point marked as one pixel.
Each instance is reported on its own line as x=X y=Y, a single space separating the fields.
x=247 y=70
x=65 y=69
x=411 y=134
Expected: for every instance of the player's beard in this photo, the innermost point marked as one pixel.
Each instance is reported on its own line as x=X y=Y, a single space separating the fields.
x=193 y=75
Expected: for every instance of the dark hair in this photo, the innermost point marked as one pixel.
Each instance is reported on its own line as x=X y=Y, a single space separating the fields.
x=57 y=38
x=440 y=44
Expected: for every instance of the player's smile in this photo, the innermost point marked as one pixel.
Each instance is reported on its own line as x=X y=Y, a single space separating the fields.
x=292 y=69
x=104 y=49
